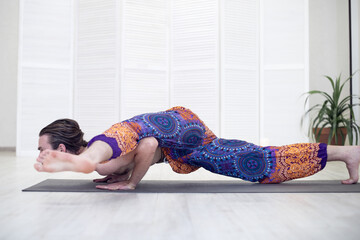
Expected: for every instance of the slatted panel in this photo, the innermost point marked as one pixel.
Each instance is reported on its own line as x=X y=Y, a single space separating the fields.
x=137 y=56
x=240 y=70
x=284 y=106
x=97 y=66
x=194 y=58
x=355 y=34
x=144 y=82
x=284 y=70
x=45 y=68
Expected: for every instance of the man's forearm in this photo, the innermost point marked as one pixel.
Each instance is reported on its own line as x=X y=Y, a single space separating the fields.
x=143 y=159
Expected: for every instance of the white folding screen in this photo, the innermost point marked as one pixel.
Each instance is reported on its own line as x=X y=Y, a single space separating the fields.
x=122 y=61
x=240 y=69
x=45 y=68
x=145 y=63
x=240 y=64
x=284 y=70
x=194 y=75
x=355 y=37
x=96 y=89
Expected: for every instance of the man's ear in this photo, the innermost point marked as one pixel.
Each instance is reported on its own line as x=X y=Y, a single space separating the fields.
x=61 y=148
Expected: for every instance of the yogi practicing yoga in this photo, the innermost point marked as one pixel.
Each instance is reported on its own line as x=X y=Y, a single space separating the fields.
x=124 y=152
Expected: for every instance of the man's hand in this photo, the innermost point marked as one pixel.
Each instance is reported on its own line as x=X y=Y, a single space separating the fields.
x=124 y=185
x=112 y=178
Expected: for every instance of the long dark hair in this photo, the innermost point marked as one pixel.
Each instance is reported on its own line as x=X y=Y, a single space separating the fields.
x=65 y=131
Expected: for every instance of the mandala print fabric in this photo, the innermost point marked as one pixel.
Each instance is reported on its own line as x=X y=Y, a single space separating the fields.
x=189 y=144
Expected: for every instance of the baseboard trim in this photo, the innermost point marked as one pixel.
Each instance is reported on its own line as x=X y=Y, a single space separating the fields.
x=7 y=149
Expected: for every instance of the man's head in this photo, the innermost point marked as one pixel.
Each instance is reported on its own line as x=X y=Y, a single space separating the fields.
x=63 y=135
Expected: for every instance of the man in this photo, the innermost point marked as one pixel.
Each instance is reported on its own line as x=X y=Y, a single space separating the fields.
x=125 y=152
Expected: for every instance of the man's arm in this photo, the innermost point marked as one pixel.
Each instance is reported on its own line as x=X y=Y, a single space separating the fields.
x=145 y=154
x=144 y=158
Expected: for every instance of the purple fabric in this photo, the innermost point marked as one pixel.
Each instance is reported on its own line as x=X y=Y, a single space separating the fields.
x=323 y=154
x=111 y=141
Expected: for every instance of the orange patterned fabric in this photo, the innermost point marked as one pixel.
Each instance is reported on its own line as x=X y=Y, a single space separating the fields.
x=178 y=165
x=185 y=113
x=125 y=134
x=296 y=161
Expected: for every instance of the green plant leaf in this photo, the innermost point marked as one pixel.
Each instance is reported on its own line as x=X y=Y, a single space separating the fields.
x=334 y=112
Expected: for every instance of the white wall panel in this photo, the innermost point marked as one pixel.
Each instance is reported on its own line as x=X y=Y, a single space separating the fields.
x=240 y=70
x=195 y=58
x=45 y=68
x=284 y=25
x=283 y=106
x=144 y=53
x=96 y=91
x=355 y=35
x=284 y=70
x=46 y=35
x=241 y=65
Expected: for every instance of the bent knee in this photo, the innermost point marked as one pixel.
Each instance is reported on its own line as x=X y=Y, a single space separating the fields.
x=149 y=142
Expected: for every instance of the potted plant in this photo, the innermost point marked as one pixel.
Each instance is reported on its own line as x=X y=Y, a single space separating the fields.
x=333 y=117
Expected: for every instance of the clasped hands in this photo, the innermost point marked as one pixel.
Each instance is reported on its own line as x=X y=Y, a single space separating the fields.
x=116 y=182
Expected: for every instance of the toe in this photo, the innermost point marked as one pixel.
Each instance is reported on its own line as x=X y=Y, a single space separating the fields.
x=349 y=181
x=39 y=167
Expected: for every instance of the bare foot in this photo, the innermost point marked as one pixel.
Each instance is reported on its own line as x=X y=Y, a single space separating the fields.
x=55 y=161
x=352 y=164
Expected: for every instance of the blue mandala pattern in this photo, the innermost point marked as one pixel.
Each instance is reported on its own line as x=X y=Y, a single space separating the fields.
x=220 y=148
x=208 y=165
x=192 y=137
x=163 y=123
x=178 y=153
x=230 y=143
x=253 y=164
x=234 y=158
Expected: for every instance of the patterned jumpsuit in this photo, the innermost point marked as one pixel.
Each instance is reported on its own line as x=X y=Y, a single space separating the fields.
x=188 y=145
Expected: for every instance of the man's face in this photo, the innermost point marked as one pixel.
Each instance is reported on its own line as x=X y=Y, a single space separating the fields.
x=44 y=143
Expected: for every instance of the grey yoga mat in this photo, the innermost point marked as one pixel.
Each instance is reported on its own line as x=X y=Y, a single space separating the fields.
x=164 y=186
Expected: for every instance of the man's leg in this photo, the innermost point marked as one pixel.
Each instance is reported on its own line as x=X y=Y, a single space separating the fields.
x=302 y=160
x=55 y=161
x=296 y=161
x=350 y=155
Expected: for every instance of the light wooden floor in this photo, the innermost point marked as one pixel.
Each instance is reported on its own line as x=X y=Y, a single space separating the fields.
x=110 y=216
